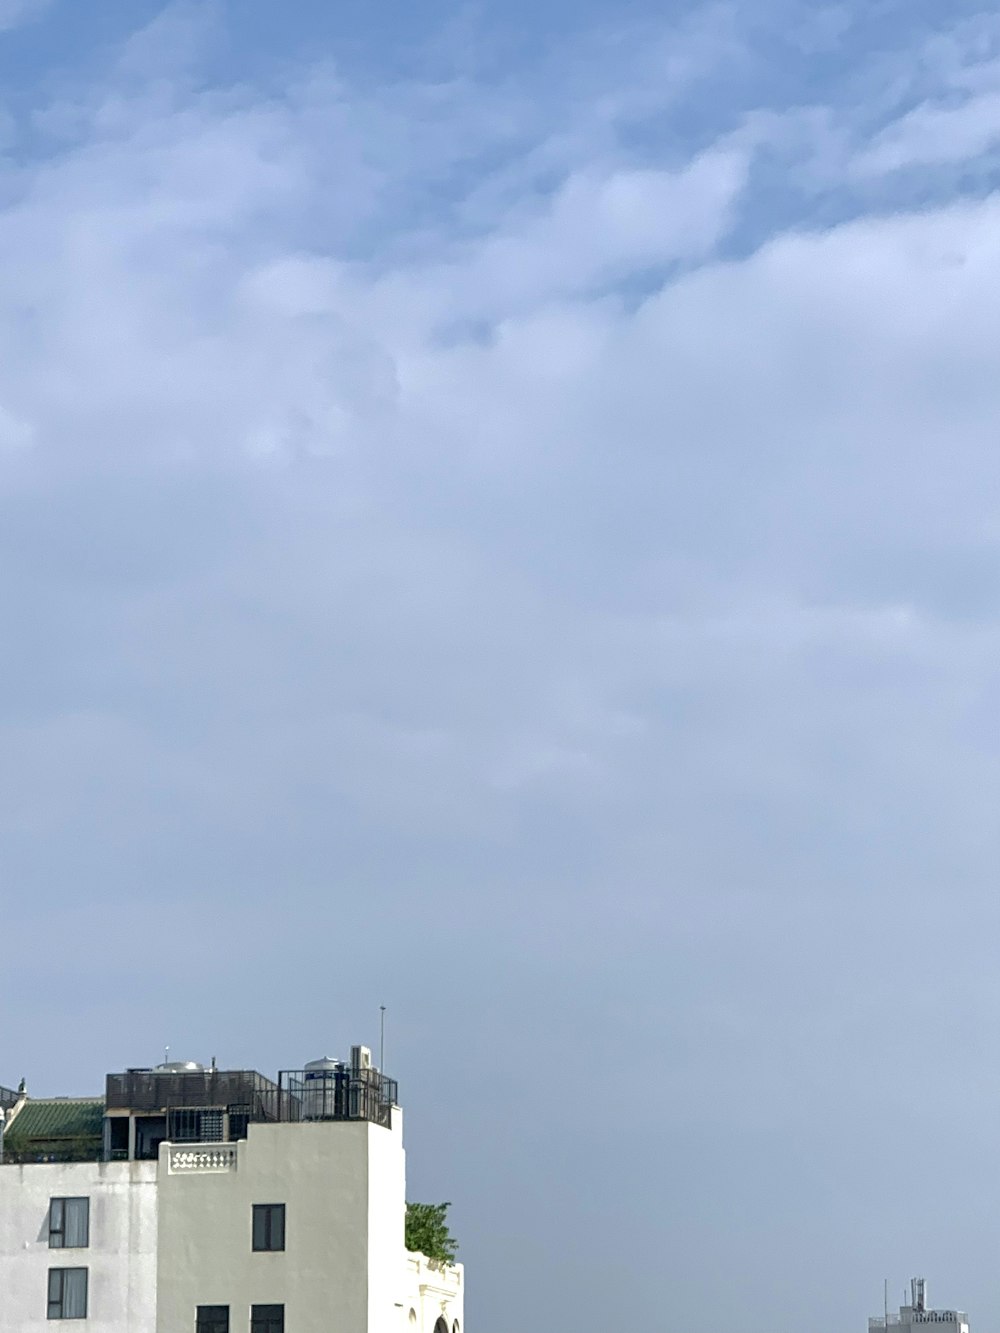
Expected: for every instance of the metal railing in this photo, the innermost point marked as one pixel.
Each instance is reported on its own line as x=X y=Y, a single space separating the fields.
x=16 y=1154
x=149 y=1091
x=337 y=1094
x=341 y=1093
x=9 y=1098
x=918 y=1317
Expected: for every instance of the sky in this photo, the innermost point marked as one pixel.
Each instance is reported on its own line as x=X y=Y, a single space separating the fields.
x=499 y=518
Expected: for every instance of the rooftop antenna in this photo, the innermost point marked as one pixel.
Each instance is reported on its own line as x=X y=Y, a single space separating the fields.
x=381 y=1038
x=885 y=1302
x=166 y=1055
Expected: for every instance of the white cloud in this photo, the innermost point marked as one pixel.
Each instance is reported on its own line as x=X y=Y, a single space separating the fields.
x=453 y=519
x=932 y=135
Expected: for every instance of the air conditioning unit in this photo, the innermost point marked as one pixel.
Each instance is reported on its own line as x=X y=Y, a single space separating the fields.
x=361 y=1058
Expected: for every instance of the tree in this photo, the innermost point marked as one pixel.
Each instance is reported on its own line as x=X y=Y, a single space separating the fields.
x=427 y=1231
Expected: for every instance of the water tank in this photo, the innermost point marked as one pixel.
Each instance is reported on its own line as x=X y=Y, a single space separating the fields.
x=180 y=1067
x=321 y=1088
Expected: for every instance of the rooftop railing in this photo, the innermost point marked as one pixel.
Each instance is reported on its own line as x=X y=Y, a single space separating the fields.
x=337 y=1094
x=246 y=1097
x=930 y=1317
x=150 y=1091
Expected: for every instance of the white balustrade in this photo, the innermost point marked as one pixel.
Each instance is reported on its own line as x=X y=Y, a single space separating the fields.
x=187 y=1159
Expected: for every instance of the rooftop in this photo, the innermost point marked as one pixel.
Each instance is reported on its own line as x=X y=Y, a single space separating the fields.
x=54 y=1128
x=187 y=1103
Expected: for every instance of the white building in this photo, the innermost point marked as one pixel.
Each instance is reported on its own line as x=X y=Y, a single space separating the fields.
x=917 y=1317
x=193 y=1200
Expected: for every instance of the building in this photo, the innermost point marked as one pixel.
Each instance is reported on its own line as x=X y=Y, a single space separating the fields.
x=194 y=1200
x=916 y=1317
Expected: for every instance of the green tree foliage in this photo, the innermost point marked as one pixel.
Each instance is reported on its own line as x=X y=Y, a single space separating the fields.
x=427 y=1231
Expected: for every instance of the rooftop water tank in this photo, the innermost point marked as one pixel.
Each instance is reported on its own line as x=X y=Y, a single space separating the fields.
x=322 y=1084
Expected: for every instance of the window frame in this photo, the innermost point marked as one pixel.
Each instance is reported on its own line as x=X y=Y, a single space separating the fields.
x=58 y=1230
x=268 y=1213
x=59 y=1300
x=267 y=1318
x=206 y=1322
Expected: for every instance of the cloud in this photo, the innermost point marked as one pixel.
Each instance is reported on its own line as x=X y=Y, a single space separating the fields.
x=931 y=135
x=512 y=541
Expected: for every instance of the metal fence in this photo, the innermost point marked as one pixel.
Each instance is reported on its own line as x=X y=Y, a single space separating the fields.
x=85 y=1151
x=337 y=1094
x=150 y=1091
x=246 y=1097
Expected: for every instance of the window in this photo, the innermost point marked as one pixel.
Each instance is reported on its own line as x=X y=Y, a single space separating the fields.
x=267 y=1319
x=67 y=1293
x=195 y=1124
x=212 y=1319
x=69 y=1224
x=268 y=1227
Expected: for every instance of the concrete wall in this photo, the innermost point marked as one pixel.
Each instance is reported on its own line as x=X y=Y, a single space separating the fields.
x=386 y=1225
x=121 y=1257
x=325 y=1174
x=166 y=1237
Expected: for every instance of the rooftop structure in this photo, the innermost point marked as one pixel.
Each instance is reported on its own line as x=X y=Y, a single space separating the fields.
x=185 y=1102
x=917 y=1315
x=198 y=1198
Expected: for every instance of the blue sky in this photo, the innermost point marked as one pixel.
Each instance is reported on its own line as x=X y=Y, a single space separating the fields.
x=498 y=518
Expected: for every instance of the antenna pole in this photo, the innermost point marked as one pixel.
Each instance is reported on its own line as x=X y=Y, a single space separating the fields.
x=381 y=1038
x=885 y=1300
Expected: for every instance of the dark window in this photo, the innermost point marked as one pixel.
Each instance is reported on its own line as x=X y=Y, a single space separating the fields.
x=267 y=1319
x=150 y=1131
x=195 y=1124
x=67 y=1293
x=69 y=1224
x=212 y=1319
x=268 y=1226
x=183 y=1125
x=239 y=1119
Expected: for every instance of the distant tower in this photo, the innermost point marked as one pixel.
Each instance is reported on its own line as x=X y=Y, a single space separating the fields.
x=915 y=1317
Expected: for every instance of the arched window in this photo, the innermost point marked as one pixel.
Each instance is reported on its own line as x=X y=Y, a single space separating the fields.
x=442 y=1325
x=413 y=1316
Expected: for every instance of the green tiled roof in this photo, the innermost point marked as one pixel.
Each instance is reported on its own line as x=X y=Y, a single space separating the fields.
x=57 y=1119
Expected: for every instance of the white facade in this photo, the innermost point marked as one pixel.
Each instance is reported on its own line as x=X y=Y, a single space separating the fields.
x=343 y=1265
x=170 y=1235
x=432 y=1292
x=120 y=1257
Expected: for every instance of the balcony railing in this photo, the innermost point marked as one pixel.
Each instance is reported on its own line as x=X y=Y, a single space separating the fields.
x=201 y=1159
x=16 y=1154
